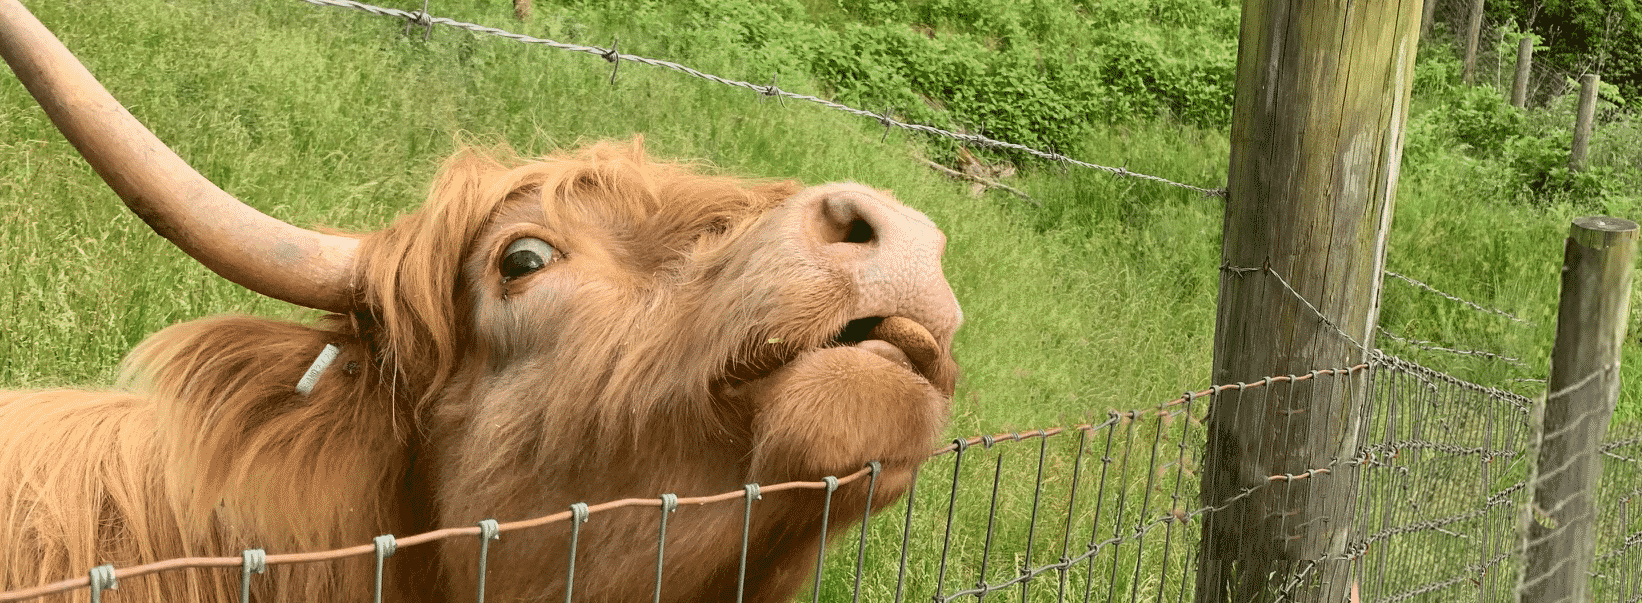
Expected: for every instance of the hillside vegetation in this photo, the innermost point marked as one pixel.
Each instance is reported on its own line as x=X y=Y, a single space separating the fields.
x=1102 y=298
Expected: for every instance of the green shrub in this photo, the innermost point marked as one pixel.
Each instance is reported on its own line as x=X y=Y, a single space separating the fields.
x=1039 y=73
x=1479 y=118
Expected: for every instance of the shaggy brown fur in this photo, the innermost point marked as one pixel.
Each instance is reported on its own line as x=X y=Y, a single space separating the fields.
x=683 y=339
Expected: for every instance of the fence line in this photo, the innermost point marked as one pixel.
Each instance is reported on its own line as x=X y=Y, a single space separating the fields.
x=1385 y=462
x=581 y=512
x=610 y=54
x=1553 y=79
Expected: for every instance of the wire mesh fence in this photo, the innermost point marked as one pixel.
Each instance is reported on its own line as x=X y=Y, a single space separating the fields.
x=1111 y=510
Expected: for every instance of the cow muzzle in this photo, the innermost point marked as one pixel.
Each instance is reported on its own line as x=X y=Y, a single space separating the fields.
x=890 y=252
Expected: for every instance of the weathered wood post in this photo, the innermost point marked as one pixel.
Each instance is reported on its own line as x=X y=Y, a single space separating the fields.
x=1317 y=134
x=1473 y=32
x=1525 y=61
x=1582 y=122
x=1428 y=18
x=1596 y=291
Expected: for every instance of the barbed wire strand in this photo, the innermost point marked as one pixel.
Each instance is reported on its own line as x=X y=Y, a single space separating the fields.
x=1455 y=298
x=610 y=54
x=1432 y=346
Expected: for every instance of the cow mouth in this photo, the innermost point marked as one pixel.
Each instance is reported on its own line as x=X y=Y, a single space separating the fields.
x=898 y=339
x=895 y=338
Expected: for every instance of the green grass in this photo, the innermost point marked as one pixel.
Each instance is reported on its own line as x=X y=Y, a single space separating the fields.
x=1102 y=299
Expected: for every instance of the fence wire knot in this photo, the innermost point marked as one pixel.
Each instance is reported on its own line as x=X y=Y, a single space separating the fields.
x=418 y=18
x=254 y=561
x=771 y=90
x=102 y=578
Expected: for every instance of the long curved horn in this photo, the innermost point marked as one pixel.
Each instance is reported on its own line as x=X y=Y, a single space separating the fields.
x=234 y=240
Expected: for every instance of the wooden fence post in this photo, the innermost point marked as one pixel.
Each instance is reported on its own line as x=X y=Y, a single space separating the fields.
x=1591 y=318
x=1525 y=61
x=1317 y=133
x=1428 y=17
x=1473 y=32
x=1582 y=123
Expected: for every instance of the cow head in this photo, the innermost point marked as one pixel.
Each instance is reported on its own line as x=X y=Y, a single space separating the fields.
x=590 y=326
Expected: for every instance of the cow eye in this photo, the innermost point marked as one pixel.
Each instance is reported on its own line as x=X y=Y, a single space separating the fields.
x=525 y=256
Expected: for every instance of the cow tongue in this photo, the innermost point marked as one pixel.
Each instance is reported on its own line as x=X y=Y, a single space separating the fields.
x=903 y=341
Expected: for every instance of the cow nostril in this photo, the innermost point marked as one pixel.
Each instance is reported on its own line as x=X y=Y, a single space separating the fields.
x=845 y=222
x=859 y=232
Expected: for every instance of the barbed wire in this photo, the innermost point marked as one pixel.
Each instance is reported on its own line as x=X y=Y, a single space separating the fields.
x=610 y=54
x=1432 y=346
x=422 y=18
x=1455 y=298
x=1269 y=270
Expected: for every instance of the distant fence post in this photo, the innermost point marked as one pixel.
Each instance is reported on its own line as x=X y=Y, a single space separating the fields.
x=1584 y=385
x=1473 y=32
x=1317 y=133
x=1525 y=60
x=1428 y=17
x=1582 y=123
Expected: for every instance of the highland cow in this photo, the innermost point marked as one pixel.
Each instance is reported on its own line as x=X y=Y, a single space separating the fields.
x=590 y=326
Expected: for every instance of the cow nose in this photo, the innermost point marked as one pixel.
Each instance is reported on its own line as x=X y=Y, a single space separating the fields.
x=893 y=254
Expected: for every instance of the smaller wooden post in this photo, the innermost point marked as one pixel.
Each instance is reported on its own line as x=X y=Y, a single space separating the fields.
x=1472 y=34
x=1584 y=385
x=1525 y=60
x=1582 y=123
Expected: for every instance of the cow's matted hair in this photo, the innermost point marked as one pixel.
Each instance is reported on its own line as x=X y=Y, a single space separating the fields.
x=208 y=449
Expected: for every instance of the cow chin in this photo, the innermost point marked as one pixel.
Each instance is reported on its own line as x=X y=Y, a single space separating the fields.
x=832 y=410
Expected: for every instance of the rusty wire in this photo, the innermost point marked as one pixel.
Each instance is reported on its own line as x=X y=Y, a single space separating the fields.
x=1165 y=409
x=425 y=537
x=1122 y=531
x=610 y=54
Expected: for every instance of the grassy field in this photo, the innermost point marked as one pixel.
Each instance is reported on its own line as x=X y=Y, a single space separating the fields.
x=1102 y=299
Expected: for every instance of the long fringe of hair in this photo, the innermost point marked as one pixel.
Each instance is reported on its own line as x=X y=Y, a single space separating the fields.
x=207 y=449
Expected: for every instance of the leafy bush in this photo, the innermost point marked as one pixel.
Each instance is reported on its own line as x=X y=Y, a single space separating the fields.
x=1538 y=166
x=1039 y=73
x=1480 y=119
